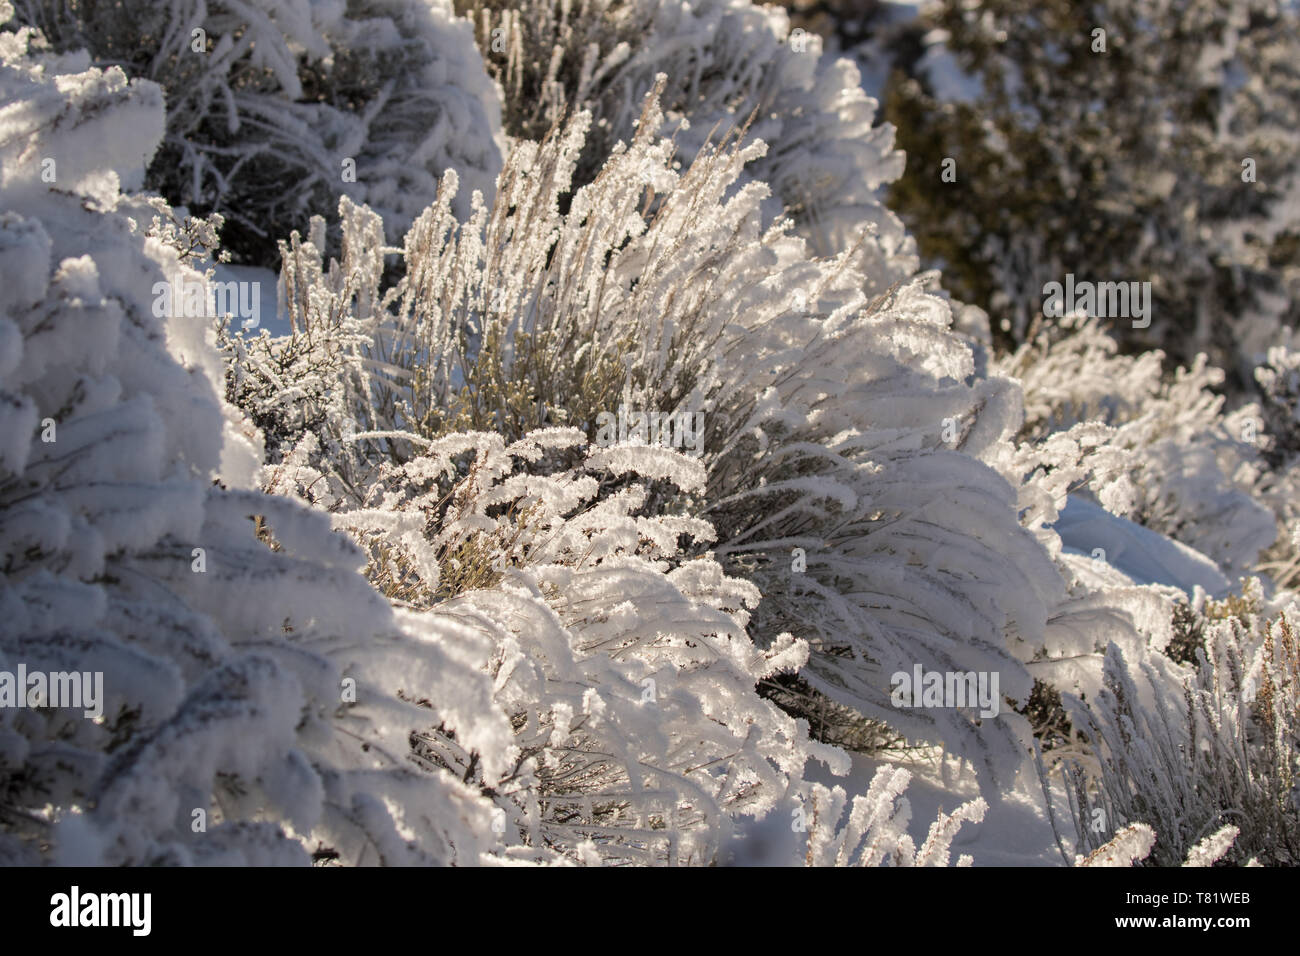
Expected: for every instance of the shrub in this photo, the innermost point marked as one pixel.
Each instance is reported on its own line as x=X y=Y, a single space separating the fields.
x=269 y=102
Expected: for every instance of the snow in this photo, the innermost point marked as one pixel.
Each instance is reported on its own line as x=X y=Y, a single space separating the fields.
x=947 y=80
x=1143 y=555
x=1013 y=832
x=271 y=314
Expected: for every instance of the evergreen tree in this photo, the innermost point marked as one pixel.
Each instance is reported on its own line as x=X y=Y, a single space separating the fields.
x=1150 y=141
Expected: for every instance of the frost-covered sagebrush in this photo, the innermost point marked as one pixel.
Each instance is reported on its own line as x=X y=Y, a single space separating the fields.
x=574 y=503
x=1157 y=448
x=275 y=108
x=250 y=710
x=263 y=702
x=625 y=668
x=842 y=437
x=727 y=63
x=1133 y=844
x=1187 y=750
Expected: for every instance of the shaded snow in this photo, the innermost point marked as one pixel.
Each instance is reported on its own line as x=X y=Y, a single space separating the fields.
x=271 y=316
x=1014 y=832
x=1145 y=556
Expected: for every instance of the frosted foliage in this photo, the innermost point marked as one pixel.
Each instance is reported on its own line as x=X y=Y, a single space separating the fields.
x=221 y=685
x=1133 y=844
x=1210 y=850
x=287 y=104
x=824 y=430
x=1159 y=449
x=273 y=688
x=875 y=831
x=727 y=62
x=1185 y=749
x=388 y=588
x=625 y=668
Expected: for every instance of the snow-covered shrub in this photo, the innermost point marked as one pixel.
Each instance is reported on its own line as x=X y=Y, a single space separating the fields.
x=1189 y=750
x=728 y=63
x=626 y=669
x=841 y=442
x=250 y=708
x=275 y=108
x=1171 y=458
